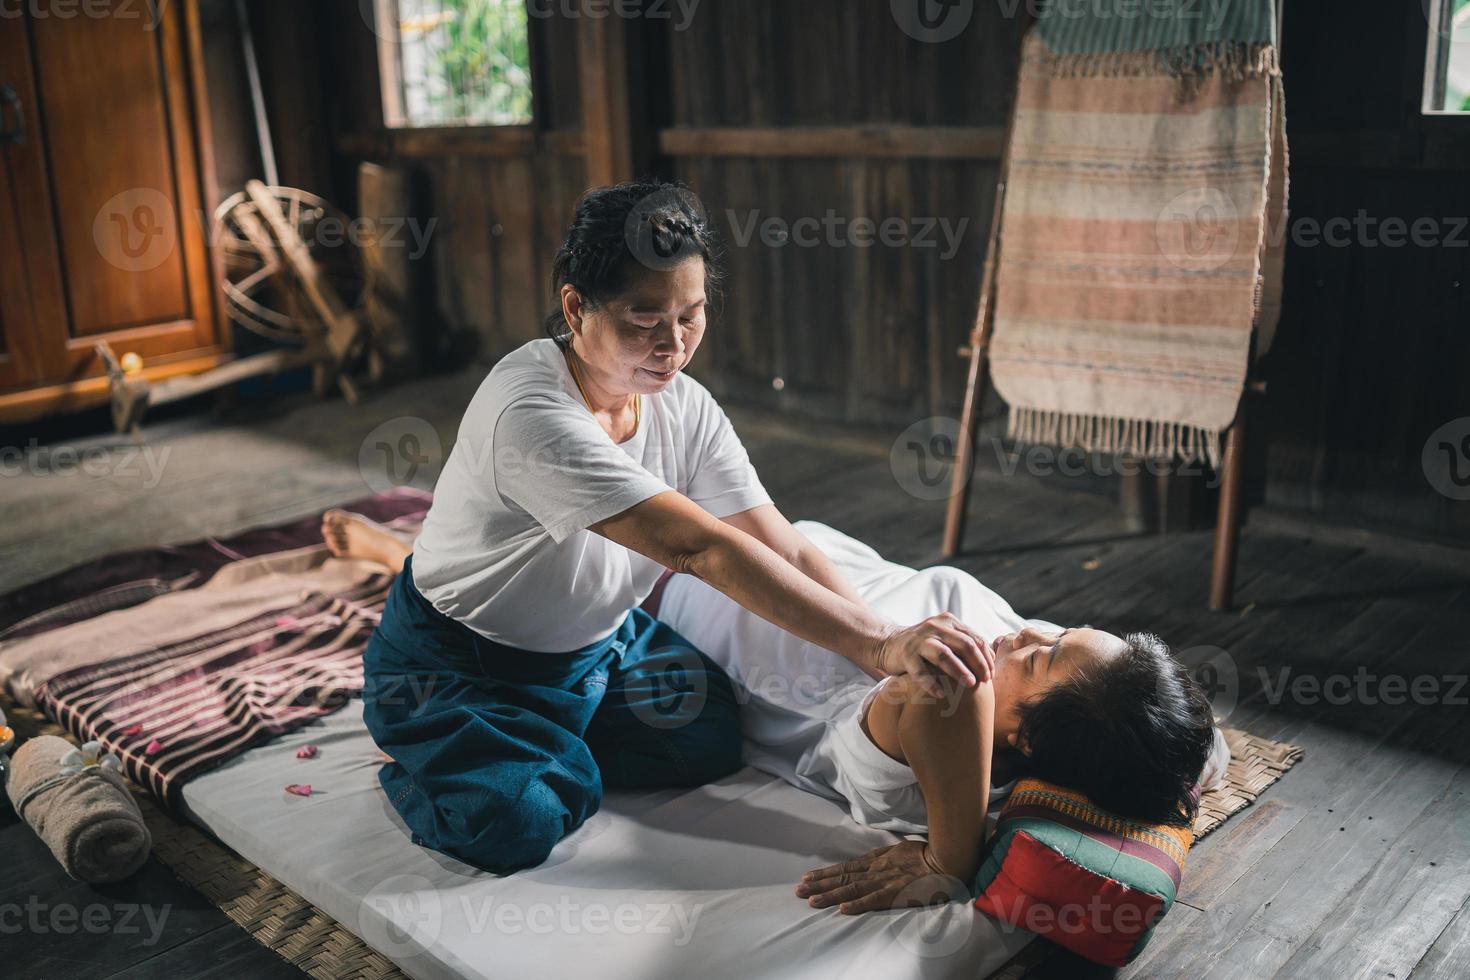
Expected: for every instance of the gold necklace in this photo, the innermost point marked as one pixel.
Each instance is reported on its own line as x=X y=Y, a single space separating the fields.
x=577 y=377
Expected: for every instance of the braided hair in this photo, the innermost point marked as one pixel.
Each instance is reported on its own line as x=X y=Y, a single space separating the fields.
x=618 y=231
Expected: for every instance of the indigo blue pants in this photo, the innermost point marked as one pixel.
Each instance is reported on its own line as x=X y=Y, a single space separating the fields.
x=499 y=753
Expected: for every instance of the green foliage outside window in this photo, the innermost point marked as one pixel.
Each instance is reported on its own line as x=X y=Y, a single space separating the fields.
x=466 y=61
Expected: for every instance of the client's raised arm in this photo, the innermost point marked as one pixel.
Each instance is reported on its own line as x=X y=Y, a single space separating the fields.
x=948 y=744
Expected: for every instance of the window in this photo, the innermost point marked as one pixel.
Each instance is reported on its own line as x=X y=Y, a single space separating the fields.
x=1447 y=77
x=454 y=62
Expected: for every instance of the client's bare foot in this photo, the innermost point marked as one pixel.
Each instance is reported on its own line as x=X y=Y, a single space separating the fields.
x=351 y=535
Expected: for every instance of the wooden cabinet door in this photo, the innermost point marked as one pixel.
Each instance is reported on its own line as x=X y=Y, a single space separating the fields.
x=30 y=290
x=107 y=187
x=20 y=359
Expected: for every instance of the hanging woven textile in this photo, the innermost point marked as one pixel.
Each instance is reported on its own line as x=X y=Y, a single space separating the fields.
x=1143 y=232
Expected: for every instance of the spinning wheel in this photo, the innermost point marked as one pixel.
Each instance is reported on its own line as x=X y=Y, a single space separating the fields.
x=262 y=294
x=292 y=274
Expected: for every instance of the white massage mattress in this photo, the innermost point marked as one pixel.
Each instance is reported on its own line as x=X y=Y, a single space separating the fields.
x=672 y=883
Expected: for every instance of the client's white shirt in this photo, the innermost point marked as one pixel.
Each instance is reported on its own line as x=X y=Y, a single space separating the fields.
x=795 y=693
x=504 y=548
x=800 y=699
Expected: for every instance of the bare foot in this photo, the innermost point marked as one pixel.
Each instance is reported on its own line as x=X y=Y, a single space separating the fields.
x=350 y=535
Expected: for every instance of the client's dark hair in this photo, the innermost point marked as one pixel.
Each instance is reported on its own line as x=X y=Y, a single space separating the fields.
x=617 y=230
x=1132 y=734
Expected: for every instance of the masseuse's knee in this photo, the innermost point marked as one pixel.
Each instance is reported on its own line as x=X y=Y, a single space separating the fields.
x=697 y=744
x=716 y=751
x=675 y=721
x=520 y=834
x=713 y=749
x=495 y=818
x=479 y=787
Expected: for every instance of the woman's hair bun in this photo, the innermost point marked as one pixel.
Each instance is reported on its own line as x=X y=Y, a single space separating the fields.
x=618 y=230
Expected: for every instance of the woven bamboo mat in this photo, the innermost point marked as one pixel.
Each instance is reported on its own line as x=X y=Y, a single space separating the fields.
x=308 y=938
x=1255 y=763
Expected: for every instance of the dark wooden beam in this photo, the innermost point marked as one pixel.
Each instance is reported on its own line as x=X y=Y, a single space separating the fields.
x=886 y=142
x=607 y=124
x=468 y=141
x=208 y=173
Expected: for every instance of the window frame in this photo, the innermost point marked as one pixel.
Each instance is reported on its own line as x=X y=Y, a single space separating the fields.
x=1438 y=21
x=391 y=106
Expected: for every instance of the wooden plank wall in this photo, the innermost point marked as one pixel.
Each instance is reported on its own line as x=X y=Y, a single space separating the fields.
x=1373 y=353
x=856 y=333
x=1370 y=359
x=500 y=207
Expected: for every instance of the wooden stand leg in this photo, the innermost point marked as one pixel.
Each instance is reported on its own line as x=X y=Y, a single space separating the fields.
x=1136 y=495
x=959 y=480
x=978 y=352
x=959 y=507
x=1227 y=524
x=976 y=379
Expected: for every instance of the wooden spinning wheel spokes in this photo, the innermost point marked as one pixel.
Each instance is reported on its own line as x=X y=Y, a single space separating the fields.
x=259 y=292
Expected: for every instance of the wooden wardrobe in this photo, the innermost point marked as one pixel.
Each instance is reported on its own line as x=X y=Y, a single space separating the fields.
x=106 y=187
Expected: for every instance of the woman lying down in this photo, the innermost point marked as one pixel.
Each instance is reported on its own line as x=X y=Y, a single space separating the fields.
x=1114 y=717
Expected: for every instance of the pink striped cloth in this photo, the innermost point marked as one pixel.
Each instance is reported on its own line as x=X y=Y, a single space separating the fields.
x=179 y=682
x=175 y=710
x=1136 y=263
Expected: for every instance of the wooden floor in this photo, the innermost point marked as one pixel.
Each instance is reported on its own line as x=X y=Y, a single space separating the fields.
x=1356 y=865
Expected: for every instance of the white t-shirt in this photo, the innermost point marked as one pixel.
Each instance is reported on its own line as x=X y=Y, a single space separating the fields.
x=793 y=691
x=504 y=548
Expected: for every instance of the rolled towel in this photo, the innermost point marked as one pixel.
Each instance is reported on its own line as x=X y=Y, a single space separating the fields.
x=79 y=804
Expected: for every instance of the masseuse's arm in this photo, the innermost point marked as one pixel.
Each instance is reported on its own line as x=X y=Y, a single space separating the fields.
x=676 y=532
x=770 y=527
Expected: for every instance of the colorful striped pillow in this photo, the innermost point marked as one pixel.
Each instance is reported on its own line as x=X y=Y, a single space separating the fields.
x=1062 y=868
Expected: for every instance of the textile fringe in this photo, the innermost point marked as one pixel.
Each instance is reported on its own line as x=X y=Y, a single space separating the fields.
x=1145 y=438
x=1191 y=64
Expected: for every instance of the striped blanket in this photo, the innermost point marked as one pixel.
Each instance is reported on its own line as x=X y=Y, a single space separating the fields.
x=1136 y=262
x=185 y=680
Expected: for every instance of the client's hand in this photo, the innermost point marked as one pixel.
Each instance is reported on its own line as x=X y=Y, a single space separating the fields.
x=938 y=646
x=901 y=875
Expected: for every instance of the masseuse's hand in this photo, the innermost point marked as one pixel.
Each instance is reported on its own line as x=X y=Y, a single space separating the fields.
x=901 y=875
x=940 y=645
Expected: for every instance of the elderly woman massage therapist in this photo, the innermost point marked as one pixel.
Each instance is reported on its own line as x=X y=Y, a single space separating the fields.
x=513 y=677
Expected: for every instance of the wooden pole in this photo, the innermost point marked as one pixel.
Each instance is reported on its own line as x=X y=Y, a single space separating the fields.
x=388 y=309
x=257 y=97
x=976 y=379
x=1232 y=466
x=975 y=385
x=602 y=66
x=1227 y=522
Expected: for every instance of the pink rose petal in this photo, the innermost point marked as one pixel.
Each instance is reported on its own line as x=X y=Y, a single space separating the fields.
x=154 y=747
x=299 y=789
x=132 y=730
x=307 y=752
